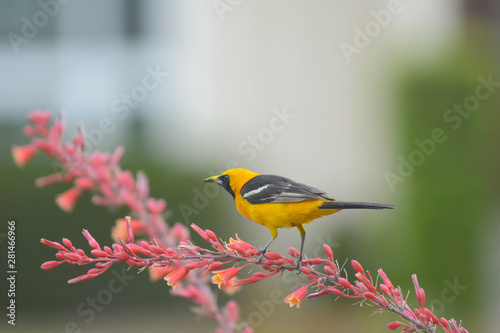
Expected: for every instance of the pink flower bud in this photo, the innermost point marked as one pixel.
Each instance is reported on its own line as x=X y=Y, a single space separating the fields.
x=313 y=261
x=117 y=155
x=72 y=256
x=386 y=280
x=328 y=251
x=384 y=289
x=216 y=265
x=82 y=278
x=122 y=256
x=29 y=131
x=92 y=242
x=345 y=283
x=336 y=292
x=123 y=178
x=394 y=325
x=369 y=295
x=156 y=249
x=180 y=231
x=273 y=256
x=357 y=267
x=198 y=264
x=329 y=270
x=49 y=180
x=305 y=270
x=67 y=243
x=50 y=264
x=293 y=252
x=419 y=292
x=98 y=253
x=200 y=231
x=322 y=292
x=211 y=235
x=84 y=183
x=79 y=140
x=232 y=311
x=142 y=185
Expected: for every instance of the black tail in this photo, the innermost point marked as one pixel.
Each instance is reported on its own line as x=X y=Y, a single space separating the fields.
x=354 y=205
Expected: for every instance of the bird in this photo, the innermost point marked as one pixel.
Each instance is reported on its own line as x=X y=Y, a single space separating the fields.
x=279 y=202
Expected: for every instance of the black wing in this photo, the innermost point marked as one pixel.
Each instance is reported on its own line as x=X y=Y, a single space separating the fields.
x=271 y=188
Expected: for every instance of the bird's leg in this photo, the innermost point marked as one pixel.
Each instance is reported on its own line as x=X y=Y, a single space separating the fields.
x=303 y=236
x=263 y=250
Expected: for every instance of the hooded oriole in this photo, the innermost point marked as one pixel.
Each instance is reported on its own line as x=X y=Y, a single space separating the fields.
x=279 y=202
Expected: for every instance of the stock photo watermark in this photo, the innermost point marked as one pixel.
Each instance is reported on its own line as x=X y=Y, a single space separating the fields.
x=265 y=308
x=223 y=7
x=121 y=107
x=381 y=19
x=88 y=309
x=31 y=27
x=453 y=118
x=11 y=272
x=448 y=295
x=248 y=149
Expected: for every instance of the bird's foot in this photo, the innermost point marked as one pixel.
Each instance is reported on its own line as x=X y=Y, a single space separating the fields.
x=262 y=251
x=299 y=264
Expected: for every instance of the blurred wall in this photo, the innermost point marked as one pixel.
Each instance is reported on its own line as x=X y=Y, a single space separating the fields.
x=329 y=93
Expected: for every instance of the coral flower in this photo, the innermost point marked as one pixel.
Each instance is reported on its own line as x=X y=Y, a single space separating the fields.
x=225 y=275
x=22 y=154
x=67 y=200
x=173 y=279
x=296 y=297
x=120 y=229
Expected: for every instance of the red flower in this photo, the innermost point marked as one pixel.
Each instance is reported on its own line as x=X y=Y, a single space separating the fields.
x=156 y=273
x=84 y=183
x=296 y=297
x=386 y=280
x=233 y=311
x=120 y=230
x=67 y=200
x=173 y=279
x=156 y=206
x=225 y=275
x=22 y=154
x=238 y=243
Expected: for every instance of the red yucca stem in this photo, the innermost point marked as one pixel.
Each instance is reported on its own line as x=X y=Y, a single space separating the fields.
x=169 y=253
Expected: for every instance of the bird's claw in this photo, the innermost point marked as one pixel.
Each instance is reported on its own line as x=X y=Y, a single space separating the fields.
x=299 y=264
x=262 y=254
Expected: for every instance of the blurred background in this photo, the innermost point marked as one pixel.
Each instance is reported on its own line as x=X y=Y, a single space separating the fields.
x=384 y=101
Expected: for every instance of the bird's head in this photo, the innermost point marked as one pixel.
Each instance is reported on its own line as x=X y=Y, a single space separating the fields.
x=232 y=180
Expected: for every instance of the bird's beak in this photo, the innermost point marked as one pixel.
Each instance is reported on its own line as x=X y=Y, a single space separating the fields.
x=213 y=179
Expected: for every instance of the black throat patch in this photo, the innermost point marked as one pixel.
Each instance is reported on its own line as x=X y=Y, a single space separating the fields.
x=225 y=184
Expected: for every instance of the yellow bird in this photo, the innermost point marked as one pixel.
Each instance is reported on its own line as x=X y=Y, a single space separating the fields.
x=279 y=202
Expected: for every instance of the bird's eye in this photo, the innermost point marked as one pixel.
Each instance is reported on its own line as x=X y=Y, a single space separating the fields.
x=225 y=179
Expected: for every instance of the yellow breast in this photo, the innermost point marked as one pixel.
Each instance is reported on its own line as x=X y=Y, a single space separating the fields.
x=282 y=215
